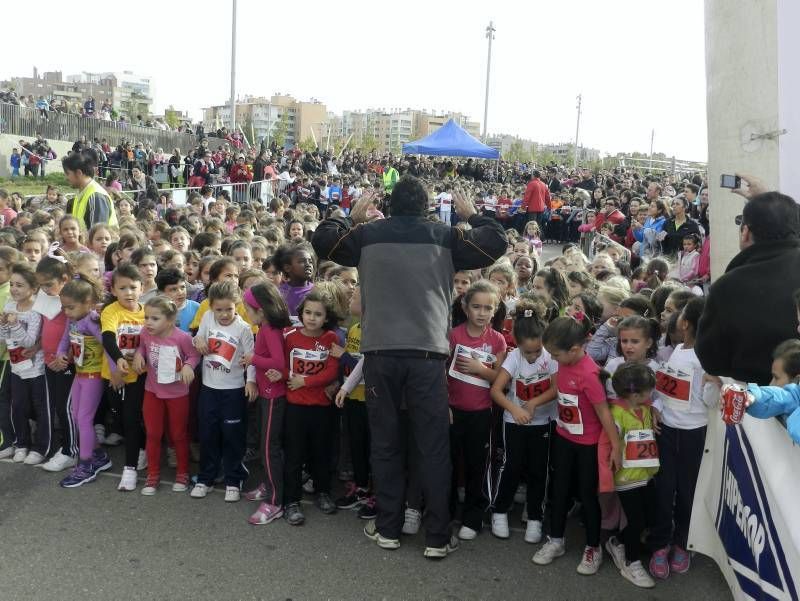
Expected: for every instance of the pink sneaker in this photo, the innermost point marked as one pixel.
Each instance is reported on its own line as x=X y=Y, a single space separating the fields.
x=680 y=560
x=659 y=564
x=257 y=494
x=265 y=514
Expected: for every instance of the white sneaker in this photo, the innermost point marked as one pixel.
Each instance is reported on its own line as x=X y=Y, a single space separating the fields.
x=149 y=490
x=200 y=491
x=141 y=462
x=20 y=455
x=100 y=433
x=467 y=533
x=500 y=525
x=128 y=480
x=58 y=462
x=113 y=439
x=549 y=551
x=521 y=494
x=232 y=494
x=172 y=458
x=635 y=573
x=617 y=552
x=411 y=521
x=34 y=458
x=533 y=532
x=7 y=452
x=591 y=561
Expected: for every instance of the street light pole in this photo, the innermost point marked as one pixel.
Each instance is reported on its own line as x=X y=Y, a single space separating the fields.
x=233 y=69
x=490 y=35
x=577 y=131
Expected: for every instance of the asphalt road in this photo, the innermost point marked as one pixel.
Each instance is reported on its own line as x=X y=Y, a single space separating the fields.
x=94 y=542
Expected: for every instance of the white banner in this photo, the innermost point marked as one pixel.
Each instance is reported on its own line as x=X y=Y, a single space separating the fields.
x=745 y=513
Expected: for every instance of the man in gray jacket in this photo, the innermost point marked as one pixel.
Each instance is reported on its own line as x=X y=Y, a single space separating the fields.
x=406 y=265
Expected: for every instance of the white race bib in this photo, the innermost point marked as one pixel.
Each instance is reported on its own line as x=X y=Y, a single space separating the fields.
x=569 y=414
x=77 y=345
x=128 y=339
x=19 y=363
x=487 y=359
x=675 y=386
x=306 y=363
x=221 y=348
x=640 y=449
x=169 y=365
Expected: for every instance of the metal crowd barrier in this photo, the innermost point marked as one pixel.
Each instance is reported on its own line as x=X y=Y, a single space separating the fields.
x=27 y=122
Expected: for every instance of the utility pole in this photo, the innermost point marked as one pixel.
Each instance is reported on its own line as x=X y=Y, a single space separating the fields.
x=652 y=137
x=233 y=69
x=577 y=131
x=490 y=35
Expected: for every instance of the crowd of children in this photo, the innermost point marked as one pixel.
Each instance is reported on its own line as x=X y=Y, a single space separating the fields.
x=576 y=382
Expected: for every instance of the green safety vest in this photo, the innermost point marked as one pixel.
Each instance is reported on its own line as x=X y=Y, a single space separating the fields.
x=81 y=202
x=389 y=179
x=626 y=421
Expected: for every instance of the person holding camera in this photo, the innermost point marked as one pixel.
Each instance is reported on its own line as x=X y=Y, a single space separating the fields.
x=750 y=310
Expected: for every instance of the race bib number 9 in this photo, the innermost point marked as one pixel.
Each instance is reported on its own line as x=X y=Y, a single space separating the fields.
x=487 y=359
x=641 y=449
x=675 y=387
x=221 y=348
x=77 y=345
x=306 y=363
x=128 y=339
x=569 y=414
x=527 y=388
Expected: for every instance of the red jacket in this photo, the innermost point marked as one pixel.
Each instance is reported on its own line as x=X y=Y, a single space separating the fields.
x=241 y=174
x=537 y=196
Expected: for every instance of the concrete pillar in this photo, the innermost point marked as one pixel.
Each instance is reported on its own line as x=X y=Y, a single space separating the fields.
x=752 y=94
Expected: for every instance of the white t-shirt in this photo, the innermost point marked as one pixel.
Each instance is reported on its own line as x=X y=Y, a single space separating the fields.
x=227 y=344
x=612 y=366
x=681 y=396
x=445 y=202
x=526 y=375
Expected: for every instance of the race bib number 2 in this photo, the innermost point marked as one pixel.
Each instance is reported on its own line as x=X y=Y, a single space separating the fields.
x=221 y=348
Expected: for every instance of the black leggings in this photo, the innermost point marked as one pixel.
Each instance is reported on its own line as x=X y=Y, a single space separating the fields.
x=571 y=460
x=527 y=451
x=130 y=398
x=638 y=504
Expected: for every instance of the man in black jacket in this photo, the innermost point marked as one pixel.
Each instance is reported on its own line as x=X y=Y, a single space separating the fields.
x=749 y=310
x=406 y=265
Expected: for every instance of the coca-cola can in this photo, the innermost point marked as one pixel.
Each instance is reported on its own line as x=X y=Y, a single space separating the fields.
x=733 y=400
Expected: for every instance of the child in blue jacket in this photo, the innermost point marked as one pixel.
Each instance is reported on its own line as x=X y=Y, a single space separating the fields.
x=782 y=397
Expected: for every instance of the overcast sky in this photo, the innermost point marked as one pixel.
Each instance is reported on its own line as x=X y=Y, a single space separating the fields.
x=640 y=65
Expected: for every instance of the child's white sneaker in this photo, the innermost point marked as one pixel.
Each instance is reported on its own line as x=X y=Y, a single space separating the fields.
x=533 y=532
x=500 y=525
x=128 y=481
x=200 y=491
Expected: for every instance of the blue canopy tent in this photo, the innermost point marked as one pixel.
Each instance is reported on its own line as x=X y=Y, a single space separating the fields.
x=451 y=140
